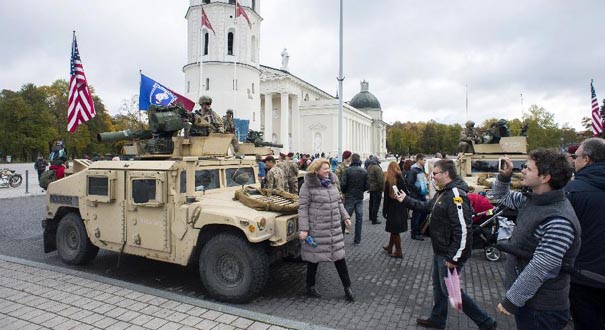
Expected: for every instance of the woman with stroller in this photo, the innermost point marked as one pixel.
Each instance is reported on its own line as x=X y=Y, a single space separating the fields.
x=396 y=213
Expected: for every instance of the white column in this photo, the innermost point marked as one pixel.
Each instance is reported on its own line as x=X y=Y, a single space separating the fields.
x=284 y=127
x=268 y=117
x=296 y=122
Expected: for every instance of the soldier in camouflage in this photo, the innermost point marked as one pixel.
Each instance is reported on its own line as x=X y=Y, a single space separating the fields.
x=215 y=121
x=275 y=177
x=292 y=173
x=230 y=128
x=283 y=165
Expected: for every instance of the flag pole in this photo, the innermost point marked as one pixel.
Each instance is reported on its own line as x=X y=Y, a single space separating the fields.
x=522 y=111
x=466 y=87
x=340 y=79
x=139 y=106
x=200 y=90
x=235 y=35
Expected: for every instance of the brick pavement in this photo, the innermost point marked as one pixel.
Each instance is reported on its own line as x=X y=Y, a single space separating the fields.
x=39 y=296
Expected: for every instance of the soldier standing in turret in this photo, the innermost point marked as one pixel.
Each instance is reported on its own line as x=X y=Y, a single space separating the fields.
x=230 y=128
x=468 y=136
x=215 y=121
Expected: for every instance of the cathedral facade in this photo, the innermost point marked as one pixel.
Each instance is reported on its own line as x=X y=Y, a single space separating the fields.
x=287 y=109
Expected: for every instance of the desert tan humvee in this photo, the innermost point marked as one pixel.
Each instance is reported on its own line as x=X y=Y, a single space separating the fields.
x=176 y=208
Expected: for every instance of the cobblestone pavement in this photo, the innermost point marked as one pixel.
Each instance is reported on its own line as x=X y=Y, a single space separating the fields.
x=38 y=296
x=390 y=293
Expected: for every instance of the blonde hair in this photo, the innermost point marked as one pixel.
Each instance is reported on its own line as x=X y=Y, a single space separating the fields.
x=316 y=165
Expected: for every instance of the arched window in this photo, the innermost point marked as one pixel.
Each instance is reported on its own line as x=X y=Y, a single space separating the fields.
x=206 y=42
x=207 y=84
x=253 y=49
x=254 y=5
x=231 y=2
x=206 y=1
x=230 y=43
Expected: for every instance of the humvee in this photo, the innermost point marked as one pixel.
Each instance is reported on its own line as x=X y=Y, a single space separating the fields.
x=479 y=169
x=177 y=208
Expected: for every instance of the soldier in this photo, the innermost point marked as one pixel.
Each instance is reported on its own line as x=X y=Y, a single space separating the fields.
x=215 y=121
x=230 y=128
x=468 y=136
x=283 y=165
x=275 y=176
x=292 y=173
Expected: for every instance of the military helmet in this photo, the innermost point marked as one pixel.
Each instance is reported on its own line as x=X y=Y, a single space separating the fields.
x=470 y=123
x=229 y=111
x=205 y=100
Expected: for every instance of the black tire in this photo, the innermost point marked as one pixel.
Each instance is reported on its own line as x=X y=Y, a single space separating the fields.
x=15 y=180
x=232 y=269
x=73 y=244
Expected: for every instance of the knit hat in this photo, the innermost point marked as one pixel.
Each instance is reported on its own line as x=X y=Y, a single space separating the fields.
x=572 y=148
x=290 y=154
x=346 y=154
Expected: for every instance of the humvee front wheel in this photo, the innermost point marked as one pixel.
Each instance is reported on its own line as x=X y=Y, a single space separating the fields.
x=73 y=244
x=233 y=270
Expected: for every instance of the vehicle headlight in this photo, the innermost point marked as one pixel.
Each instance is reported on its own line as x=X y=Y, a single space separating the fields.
x=291 y=226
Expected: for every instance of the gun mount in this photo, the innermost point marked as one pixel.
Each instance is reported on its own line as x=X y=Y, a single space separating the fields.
x=161 y=140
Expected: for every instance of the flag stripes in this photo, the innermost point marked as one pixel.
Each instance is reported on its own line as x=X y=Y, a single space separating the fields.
x=597 y=120
x=80 y=107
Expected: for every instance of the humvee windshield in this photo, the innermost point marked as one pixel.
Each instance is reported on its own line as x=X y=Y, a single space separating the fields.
x=235 y=174
x=491 y=166
x=204 y=180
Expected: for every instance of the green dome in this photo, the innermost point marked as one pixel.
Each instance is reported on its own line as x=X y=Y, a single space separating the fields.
x=365 y=99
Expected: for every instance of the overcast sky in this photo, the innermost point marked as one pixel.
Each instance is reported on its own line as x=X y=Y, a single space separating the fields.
x=418 y=56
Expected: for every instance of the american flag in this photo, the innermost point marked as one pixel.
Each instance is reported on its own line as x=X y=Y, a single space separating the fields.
x=597 y=120
x=80 y=107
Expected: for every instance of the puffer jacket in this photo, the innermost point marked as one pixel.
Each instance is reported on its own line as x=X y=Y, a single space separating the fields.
x=321 y=212
x=450 y=220
x=375 y=176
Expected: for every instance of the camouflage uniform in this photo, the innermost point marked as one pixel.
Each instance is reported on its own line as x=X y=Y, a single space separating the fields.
x=230 y=129
x=340 y=169
x=215 y=121
x=276 y=179
x=292 y=177
x=283 y=166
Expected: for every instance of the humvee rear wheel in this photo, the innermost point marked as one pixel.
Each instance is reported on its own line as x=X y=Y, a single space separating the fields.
x=73 y=244
x=233 y=270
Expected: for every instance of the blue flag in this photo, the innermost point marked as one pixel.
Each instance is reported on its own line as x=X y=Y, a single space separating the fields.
x=152 y=92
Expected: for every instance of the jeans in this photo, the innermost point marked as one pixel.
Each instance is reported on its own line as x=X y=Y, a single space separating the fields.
x=357 y=206
x=417 y=218
x=341 y=268
x=375 y=198
x=587 y=307
x=440 y=297
x=528 y=318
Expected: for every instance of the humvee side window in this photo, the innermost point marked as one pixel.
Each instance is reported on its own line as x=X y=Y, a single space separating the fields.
x=240 y=176
x=143 y=190
x=98 y=186
x=183 y=180
x=206 y=179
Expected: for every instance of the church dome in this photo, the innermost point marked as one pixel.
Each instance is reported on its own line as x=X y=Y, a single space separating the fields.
x=365 y=99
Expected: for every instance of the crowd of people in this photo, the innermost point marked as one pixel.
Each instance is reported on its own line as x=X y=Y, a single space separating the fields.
x=554 y=266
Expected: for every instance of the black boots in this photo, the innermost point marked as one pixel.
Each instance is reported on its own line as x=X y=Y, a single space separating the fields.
x=312 y=292
x=349 y=294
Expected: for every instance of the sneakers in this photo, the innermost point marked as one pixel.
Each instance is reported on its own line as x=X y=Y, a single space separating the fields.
x=418 y=237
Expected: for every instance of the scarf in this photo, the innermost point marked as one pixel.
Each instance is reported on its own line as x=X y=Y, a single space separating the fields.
x=325 y=182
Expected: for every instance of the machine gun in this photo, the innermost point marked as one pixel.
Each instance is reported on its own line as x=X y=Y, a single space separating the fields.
x=256 y=137
x=164 y=123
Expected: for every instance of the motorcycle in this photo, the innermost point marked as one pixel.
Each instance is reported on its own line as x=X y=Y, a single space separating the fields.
x=8 y=178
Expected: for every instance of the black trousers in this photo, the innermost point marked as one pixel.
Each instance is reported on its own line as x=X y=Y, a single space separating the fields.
x=341 y=267
x=375 y=198
x=587 y=307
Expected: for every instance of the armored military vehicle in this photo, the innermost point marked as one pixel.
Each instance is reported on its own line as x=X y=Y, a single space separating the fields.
x=174 y=203
x=479 y=169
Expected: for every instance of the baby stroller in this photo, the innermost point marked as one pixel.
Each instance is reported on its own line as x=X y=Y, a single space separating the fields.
x=489 y=226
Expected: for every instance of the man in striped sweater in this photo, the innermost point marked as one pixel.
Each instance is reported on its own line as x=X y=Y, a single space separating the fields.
x=546 y=237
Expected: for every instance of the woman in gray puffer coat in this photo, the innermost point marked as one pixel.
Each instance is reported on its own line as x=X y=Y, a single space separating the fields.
x=320 y=214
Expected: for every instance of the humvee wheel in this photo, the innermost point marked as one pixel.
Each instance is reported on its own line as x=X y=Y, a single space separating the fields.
x=233 y=270
x=73 y=244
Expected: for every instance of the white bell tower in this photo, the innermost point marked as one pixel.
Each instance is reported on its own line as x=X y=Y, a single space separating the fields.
x=230 y=70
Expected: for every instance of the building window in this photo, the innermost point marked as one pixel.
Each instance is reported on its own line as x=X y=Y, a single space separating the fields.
x=206 y=42
x=230 y=43
x=188 y=86
x=252 y=88
x=206 y=1
x=234 y=84
x=253 y=116
x=231 y=2
x=207 y=84
x=254 y=5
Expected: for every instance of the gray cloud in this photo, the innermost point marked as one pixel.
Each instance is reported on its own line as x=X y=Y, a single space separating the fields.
x=417 y=56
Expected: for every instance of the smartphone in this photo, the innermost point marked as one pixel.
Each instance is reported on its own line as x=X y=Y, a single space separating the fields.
x=396 y=190
x=501 y=164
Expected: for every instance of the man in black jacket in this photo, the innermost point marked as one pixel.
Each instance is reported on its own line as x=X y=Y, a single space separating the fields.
x=354 y=184
x=416 y=182
x=451 y=237
x=586 y=194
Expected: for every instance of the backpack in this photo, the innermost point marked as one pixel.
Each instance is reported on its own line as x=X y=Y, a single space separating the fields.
x=46 y=178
